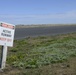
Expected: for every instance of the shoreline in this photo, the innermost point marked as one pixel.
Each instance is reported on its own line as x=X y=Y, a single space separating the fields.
x=42 y=25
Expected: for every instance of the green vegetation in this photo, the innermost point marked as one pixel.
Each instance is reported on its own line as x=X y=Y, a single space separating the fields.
x=45 y=55
x=39 y=51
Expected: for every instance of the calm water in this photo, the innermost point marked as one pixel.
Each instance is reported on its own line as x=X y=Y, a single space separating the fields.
x=52 y=30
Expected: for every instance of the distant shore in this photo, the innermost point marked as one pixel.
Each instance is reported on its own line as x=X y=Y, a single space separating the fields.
x=41 y=25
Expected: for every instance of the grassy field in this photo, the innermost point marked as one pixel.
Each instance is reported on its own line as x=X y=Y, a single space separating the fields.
x=45 y=55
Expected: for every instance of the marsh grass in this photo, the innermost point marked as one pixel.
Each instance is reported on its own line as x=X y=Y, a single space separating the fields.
x=40 y=51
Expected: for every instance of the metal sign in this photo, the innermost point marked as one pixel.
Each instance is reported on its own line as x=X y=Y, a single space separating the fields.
x=6 y=34
x=6 y=39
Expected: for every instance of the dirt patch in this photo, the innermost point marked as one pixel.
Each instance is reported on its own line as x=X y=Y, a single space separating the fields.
x=65 y=68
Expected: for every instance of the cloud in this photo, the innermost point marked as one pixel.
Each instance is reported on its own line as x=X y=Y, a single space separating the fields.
x=70 y=14
x=69 y=17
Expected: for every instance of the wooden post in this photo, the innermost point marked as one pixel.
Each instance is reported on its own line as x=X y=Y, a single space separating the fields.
x=3 y=56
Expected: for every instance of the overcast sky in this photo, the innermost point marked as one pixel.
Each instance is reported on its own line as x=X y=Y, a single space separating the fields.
x=38 y=11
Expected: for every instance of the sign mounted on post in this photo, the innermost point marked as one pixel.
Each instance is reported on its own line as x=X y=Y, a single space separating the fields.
x=6 y=39
x=6 y=34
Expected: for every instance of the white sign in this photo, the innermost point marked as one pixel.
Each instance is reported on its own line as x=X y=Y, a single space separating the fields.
x=6 y=34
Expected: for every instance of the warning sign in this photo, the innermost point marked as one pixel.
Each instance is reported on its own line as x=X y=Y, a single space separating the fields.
x=6 y=34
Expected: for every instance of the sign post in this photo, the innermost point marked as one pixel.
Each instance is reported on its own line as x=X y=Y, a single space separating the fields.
x=3 y=56
x=6 y=39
